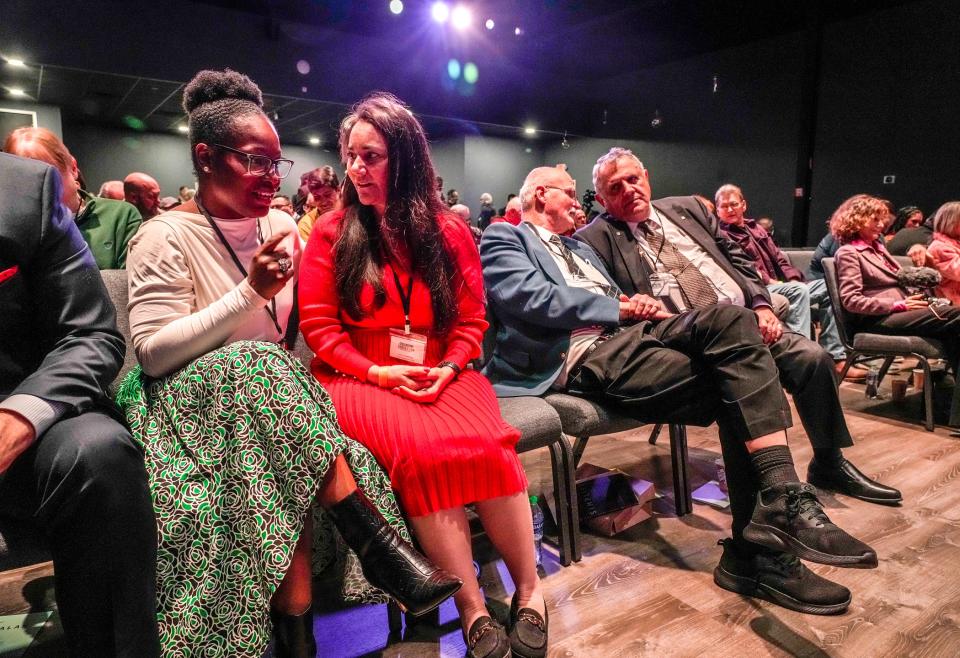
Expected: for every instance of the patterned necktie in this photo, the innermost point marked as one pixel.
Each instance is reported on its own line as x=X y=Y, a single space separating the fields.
x=695 y=288
x=608 y=289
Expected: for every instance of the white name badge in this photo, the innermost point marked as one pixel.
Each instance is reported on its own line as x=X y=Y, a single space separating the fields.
x=661 y=283
x=411 y=348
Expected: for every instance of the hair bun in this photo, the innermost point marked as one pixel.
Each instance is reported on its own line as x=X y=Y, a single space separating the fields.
x=211 y=86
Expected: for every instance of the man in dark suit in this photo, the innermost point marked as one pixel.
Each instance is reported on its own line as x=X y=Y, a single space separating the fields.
x=66 y=463
x=564 y=324
x=621 y=237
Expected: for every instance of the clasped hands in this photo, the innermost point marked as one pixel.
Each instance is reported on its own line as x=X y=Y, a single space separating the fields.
x=642 y=307
x=417 y=383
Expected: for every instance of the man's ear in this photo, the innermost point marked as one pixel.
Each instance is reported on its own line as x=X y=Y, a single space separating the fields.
x=599 y=199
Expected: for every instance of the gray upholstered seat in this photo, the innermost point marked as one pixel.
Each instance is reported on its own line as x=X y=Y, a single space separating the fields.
x=583 y=417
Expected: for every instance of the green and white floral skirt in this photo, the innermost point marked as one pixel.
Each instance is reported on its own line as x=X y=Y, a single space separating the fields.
x=236 y=445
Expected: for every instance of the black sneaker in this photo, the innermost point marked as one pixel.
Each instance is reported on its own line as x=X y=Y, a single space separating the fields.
x=780 y=578
x=788 y=517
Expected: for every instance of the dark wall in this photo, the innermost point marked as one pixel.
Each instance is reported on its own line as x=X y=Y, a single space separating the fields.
x=888 y=98
x=106 y=154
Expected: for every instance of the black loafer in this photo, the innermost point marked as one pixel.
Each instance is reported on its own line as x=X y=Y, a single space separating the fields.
x=487 y=639
x=780 y=578
x=848 y=479
x=528 y=631
x=788 y=517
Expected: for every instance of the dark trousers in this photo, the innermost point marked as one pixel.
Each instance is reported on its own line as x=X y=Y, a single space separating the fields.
x=84 y=484
x=695 y=368
x=807 y=373
x=921 y=323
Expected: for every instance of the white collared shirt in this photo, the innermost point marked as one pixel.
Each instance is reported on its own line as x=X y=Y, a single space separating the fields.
x=728 y=292
x=583 y=338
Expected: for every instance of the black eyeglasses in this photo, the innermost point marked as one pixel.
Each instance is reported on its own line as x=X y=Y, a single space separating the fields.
x=261 y=165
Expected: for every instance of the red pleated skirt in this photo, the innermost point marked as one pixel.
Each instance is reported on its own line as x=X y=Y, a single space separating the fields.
x=444 y=454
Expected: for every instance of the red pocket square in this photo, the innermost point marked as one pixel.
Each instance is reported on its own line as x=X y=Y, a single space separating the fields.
x=7 y=273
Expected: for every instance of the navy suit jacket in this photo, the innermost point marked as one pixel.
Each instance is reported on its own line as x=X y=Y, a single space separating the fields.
x=617 y=247
x=58 y=335
x=534 y=308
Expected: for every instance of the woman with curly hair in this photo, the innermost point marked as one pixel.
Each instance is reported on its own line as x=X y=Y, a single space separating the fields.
x=392 y=302
x=868 y=282
x=239 y=439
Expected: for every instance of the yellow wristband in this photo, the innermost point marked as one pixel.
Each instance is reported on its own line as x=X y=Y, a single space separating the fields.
x=382 y=375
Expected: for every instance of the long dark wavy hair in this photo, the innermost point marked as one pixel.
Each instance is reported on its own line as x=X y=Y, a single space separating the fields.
x=411 y=220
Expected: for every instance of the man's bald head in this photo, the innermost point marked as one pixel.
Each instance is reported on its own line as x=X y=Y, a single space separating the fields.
x=111 y=189
x=142 y=191
x=548 y=197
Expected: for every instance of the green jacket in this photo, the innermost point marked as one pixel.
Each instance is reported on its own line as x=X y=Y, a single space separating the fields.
x=107 y=225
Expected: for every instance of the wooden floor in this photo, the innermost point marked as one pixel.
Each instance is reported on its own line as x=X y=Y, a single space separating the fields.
x=649 y=591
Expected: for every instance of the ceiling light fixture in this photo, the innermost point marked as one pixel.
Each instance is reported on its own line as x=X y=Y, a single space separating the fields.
x=530 y=130
x=490 y=24
x=182 y=128
x=440 y=11
x=16 y=62
x=17 y=92
x=461 y=17
x=396 y=6
x=315 y=141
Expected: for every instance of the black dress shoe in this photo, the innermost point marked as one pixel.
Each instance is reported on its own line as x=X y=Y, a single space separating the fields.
x=847 y=479
x=779 y=578
x=528 y=631
x=293 y=635
x=789 y=518
x=387 y=561
x=487 y=639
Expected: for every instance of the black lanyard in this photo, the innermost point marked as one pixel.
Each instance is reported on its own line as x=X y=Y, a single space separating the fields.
x=272 y=311
x=404 y=299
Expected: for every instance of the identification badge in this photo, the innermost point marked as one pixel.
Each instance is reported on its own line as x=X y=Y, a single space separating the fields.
x=411 y=348
x=661 y=283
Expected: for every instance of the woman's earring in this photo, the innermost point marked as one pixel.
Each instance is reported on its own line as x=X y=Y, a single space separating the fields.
x=206 y=170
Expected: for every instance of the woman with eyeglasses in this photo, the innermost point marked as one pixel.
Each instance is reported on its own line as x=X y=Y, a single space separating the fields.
x=392 y=302
x=239 y=439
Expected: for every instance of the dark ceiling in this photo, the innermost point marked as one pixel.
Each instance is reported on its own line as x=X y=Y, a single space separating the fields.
x=550 y=72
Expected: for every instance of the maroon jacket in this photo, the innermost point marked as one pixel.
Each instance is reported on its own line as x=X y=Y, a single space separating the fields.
x=772 y=264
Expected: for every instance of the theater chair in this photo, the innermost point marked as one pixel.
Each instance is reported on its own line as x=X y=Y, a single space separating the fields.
x=862 y=346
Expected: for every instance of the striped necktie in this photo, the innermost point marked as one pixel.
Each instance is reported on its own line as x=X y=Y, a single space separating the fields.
x=696 y=289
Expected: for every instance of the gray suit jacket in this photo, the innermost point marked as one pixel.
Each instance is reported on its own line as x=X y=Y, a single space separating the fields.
x=58 y=334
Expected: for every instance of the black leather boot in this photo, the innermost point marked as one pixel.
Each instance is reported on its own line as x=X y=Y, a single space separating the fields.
x=388 y=562
x=293 y=635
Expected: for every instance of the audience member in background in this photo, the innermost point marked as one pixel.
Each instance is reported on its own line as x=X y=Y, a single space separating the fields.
x=66 y=465
x=767 y=225
x=565 y=325
x=579 y=219
x=945 y=250
x=185 y=193
x=511 y=213
x=240 y=440
x=392 y=302
x=282 y=202
x=826 y=248
x=143 y=193
x=106 y=224
x=302 y=202
x=906 y=217
x=463 y=212
x=487 y=211
x=503 y=211
x=453 y=198
x=111 y=189
x=912 y=239
x=324 y=187
x=779 y=276
x=168 y=202
x=869 y=288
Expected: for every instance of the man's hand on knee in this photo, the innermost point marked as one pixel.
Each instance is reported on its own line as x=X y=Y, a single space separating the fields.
x=16 y=435
x=770 y=327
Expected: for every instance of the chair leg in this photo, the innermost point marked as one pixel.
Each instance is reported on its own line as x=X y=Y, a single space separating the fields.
x=887 y=362
x=394 y=620
x=578 y=447
x=569 y=467
x=851 y=360
x=561 y=496
x=678 y=457
x=655 y=434
x=927 y=394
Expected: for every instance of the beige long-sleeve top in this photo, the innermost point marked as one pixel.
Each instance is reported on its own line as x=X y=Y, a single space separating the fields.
x=187 y=296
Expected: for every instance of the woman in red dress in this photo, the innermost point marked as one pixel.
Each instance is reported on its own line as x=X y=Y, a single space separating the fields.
x=392 y=302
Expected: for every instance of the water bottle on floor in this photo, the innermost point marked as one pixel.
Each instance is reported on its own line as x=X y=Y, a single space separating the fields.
x=537 y=529
x=872 y=383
